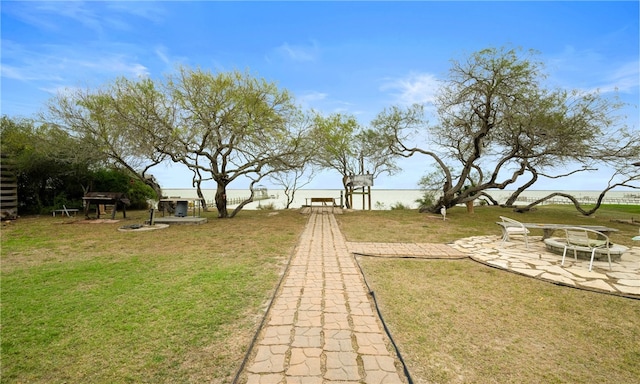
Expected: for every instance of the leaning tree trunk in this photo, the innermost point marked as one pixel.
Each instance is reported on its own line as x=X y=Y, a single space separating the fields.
x=575 y=202
x=514 y=196
x=488 y=197
x=203 y=201
x=151 y=183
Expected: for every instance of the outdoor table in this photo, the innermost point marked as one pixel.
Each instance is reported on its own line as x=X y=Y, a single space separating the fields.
x=548 y=229
x=105 y=198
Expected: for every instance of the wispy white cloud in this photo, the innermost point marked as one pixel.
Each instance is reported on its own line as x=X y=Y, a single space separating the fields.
x=171 y=61
x=415 y=88
x=62 y=90
x=148 y=10
x=97 y=16
x=299 y=52
x=115 y=64
x=625 y=78
x=322 y=103
x=55 y=64
x=590 y=70
x=312 y=96
x=162 y=53
x=311 y=99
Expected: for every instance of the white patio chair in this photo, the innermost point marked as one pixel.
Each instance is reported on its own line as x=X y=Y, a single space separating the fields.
x=512 y=227
x=586 y=240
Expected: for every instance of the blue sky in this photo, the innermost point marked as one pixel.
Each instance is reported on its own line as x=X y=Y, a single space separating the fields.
x=351 y=57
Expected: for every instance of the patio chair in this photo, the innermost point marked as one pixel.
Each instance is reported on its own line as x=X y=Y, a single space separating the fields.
x=586 y=240
x=512 y=227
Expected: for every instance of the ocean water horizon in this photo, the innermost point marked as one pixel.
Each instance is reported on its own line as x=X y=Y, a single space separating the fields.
x=384 y=199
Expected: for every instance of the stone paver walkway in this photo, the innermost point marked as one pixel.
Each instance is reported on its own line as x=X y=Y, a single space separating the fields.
x=321 y=327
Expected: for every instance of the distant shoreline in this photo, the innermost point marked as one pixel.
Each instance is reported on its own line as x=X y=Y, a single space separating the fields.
x=382 y=199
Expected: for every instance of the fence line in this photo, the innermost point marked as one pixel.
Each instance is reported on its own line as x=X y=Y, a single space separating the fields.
x=629 y=199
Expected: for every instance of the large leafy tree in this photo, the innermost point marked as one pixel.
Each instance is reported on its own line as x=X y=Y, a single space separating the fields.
x=232 y=126
x=350 y=149
x=100 y=119
x=224 y=127
x=50 y=165
x=498 y=124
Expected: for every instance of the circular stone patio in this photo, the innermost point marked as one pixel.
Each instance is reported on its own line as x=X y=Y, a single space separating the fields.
x=535 y=261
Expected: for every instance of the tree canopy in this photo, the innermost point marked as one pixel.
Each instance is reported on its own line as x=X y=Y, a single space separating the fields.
x=345 y=146
x=222 y=126
x=54 y=168
x=499 y=124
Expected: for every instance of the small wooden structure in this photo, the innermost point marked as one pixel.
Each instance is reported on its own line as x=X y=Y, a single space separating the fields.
x=106 y=198
x=8 y=189
x=180 y=206
x=356 y=182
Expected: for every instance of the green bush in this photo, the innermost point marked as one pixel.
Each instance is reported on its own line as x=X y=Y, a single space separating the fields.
x=116 y=180
x=267 y=207
x=398 y=206
x=427 y=200
x=379 y=205
x=139 y=193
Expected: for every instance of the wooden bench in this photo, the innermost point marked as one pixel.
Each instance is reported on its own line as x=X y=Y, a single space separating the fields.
x=65 y=211
x=323 y=202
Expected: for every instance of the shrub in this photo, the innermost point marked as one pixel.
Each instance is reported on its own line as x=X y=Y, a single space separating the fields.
x=267 y=207
x=398 y=206
x=427 y=200
x=380 y=205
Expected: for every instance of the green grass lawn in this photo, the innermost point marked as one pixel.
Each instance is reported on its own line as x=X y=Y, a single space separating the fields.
x=85 y=303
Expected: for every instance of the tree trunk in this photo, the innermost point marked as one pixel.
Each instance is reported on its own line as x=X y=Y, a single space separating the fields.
x=469 y=206
x=221 y=200
x=575 y=202
x=348 y=196
x=514 y=196
x=203 y=201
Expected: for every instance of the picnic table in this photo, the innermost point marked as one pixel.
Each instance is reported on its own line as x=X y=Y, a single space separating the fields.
x=106 y=198
x=323 y=201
